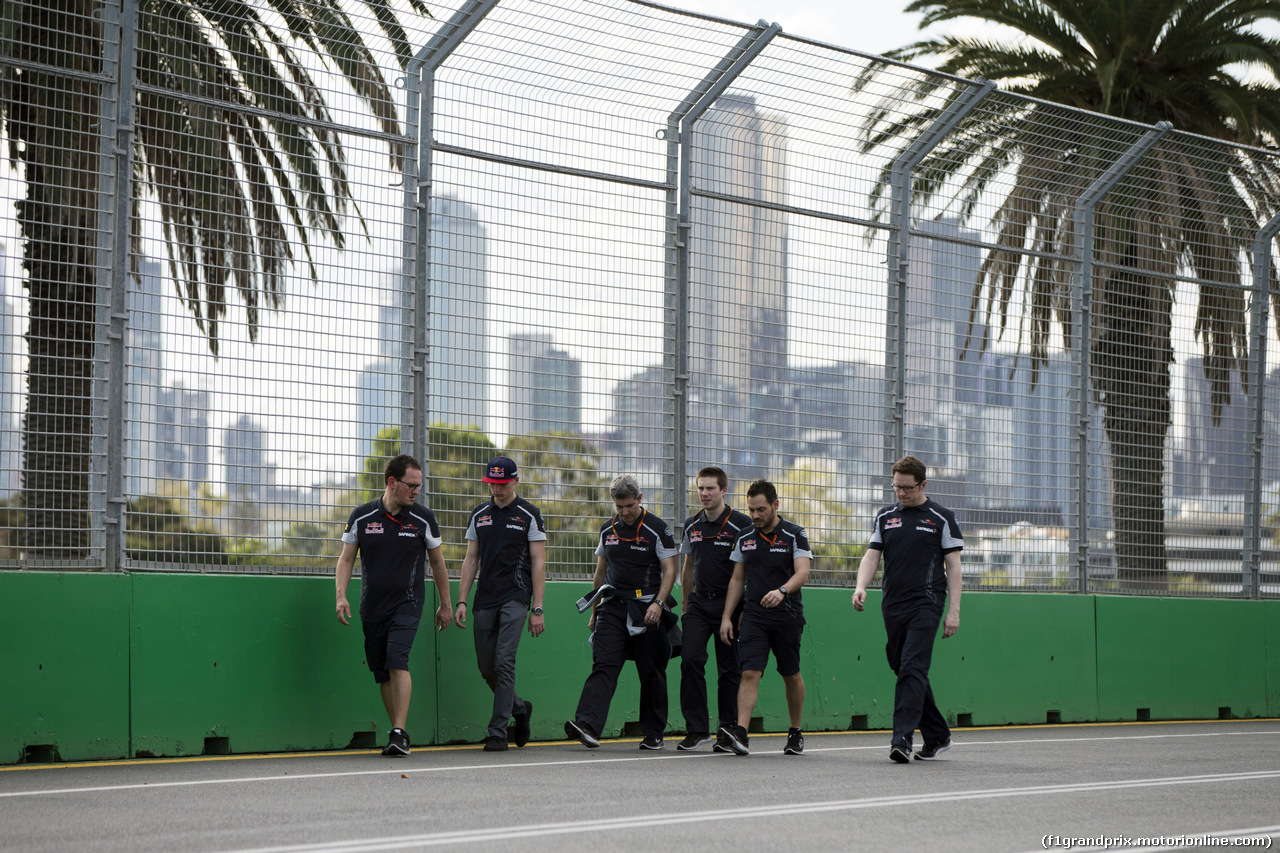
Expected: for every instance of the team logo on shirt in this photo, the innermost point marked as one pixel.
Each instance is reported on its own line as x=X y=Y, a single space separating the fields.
x=749 y=545
x=892 y=523
x=695 y=535
x=484 y=521
x=373 y=527
x=611 y=539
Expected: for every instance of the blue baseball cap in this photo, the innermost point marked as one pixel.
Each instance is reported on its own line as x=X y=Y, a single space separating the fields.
x=501 y=469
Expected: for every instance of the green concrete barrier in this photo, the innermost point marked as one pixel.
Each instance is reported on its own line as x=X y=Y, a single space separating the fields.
x=110 y=666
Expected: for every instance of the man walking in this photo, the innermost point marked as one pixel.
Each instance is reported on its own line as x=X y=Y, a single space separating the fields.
x=706 y=543
x=921 y=543
x=395 y=538
x=770 y=565
x=635 y=572
x=507 y=545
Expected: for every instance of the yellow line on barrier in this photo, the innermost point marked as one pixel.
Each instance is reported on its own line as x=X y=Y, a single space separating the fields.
x=257 y=756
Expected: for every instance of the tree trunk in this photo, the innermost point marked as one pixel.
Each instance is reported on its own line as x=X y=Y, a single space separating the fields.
x=54 y=117
x=1132 y=373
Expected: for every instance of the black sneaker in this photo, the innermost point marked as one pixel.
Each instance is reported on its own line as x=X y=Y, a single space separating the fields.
x=495 y=744
x=900 y=754
x=651 y=743
x=397 y=743
x=737 y=739
x=932 y=750
x=722 y=742
x=693 y=740
x=795 y=742
x=520 y=731
x=579 y=732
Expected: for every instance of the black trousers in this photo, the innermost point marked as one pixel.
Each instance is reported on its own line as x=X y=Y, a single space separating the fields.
x=910 y=652
x=701 y=623
x=611 y=648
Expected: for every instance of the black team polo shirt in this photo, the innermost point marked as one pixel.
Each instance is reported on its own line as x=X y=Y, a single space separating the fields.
x=711 y=543
x=913 y=541
x=633 y=552
x=393 y=556
x=768 y=563
x=502 y=535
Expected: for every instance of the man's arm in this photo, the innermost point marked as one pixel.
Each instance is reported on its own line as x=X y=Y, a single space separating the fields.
x=686 y=583
x=654 y=612
x=470 y=564
x=538 y=567
x=731 y=598
x=342 y=580
x=597 y=581
x=440 y=574
x=866 y=571
x=955 y=582
x=799 y=574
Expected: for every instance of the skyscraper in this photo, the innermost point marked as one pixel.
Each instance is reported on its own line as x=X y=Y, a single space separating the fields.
x=144 y=359
x=545 y=387
x=456 y=316
x=10 y=385
x=248 y=474
x=738 y=291
x=183 y=436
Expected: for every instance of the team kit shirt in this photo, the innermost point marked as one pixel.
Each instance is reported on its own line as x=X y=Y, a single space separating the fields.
x=503 y=534
x=632 y=552
x=393 y=556
x=710 y=541
x=913 y=541
x=768 y=563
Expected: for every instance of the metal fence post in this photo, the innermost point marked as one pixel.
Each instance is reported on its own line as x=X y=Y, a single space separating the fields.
x=679 y=136
x=1082 y=308
x=420 y=126
x=1255 y=430
x=107 y=504
x=899 y=246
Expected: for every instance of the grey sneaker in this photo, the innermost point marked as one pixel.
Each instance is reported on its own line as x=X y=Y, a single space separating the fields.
x=579 y=732
x=397 y=743
x=900 y=754
x=693 y=740
x=932 y=750
x=737 y=738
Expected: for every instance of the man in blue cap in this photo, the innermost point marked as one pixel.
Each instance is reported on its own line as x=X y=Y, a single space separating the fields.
x=507 y=546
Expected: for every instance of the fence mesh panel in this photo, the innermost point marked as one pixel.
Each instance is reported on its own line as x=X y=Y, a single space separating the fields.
x=249 y=257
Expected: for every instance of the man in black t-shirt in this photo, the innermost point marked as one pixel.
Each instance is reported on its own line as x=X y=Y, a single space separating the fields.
x=395 y=538
x=507 y=545
x=706 y=544
x=920 y=541
x=630 y=617
x=770 y=565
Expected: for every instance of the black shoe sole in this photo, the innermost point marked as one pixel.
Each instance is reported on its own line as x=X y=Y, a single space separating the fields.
x=701 y=742
x=900 y=756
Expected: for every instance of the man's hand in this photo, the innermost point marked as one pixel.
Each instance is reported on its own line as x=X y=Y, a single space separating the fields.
x=444 y=617
x=951 y=625
x=860 y=600
x=726 y=630
x=537 y=624
x=460 y=614
x=772 y=598
x=344 y=610
x=653 y=614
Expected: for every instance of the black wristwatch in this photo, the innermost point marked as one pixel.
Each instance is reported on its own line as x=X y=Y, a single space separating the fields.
x=783 y=589
x=537 y=611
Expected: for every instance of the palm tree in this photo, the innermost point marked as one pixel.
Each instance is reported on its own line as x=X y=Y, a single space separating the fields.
x=1178 y=212
x=231 y=139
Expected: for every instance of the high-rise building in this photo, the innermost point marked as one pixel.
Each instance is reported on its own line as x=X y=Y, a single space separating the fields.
x=144 y=371
x=183 y=436
x=244 y=458
x=546 y=387
x=458 y=385
x=739 y=406
x=10 y=384
x=1215 y=457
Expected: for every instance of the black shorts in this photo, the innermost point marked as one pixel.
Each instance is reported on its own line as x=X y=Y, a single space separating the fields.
x=387 y=642
x=758 y=637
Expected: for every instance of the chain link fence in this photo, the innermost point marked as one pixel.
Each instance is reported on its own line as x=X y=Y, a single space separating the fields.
x=255 y=251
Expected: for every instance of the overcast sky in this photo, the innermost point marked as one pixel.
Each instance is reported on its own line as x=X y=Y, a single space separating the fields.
x=870 y=26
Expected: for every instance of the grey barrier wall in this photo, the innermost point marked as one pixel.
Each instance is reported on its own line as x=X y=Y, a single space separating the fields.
x=255 y=251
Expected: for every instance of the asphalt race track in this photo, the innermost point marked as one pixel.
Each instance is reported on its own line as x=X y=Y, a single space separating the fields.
x=1135 y=786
